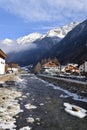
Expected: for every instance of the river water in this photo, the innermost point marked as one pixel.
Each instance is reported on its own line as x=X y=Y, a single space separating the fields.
x=42 y=106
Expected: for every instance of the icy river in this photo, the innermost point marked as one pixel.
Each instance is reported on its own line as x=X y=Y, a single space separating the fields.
x=33 y=104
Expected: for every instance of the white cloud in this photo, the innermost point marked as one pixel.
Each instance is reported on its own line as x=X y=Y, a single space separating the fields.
x=7 y=41
x=45 y=10
x=9 y=45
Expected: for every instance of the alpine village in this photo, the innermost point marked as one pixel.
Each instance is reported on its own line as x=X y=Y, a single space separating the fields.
x=43 y=65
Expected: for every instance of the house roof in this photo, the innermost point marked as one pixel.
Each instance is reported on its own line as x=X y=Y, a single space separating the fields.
x=12 y=64
x=51 y=64
x=71 y=67
x=2 y=54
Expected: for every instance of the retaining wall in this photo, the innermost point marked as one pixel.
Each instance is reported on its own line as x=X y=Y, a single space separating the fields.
x=71 y=85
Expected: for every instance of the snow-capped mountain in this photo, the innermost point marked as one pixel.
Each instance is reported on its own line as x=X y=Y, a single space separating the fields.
x=29 y=38
x=32 y=48
x=53 y=33
x=56 y=33
x=62 y=31
x=73 y=48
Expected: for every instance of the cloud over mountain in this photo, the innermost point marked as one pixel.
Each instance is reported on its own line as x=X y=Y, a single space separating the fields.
x=9 y=45
x=31 y=41
x=32 y=48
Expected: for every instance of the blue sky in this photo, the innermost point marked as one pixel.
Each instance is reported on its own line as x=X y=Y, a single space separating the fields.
x=22 y=17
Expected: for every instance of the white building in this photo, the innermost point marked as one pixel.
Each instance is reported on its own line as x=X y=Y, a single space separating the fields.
x=51 y=68
x=83 y=67
x=70 y=68
x=12 y=67
x=2 y=62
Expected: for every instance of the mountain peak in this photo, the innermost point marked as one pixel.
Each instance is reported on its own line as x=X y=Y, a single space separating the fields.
x=29 y=38
x=62 y=31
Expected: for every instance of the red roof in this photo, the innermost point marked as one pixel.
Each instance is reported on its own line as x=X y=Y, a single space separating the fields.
x=51 y=64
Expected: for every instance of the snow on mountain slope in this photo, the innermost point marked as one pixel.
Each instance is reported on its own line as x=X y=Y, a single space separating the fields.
x=56 y=33
x=29 y=38
x=62 y=31
x=34 y=47
x=23 y=43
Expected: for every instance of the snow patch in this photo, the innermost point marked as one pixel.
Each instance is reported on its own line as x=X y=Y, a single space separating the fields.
x=30 y=120
x=38 y=119
x=63 y=96
x=41 y=104
x=9 y=107
x=29 y=106
x=26 y=128
x=24 y=96
x=75 y=110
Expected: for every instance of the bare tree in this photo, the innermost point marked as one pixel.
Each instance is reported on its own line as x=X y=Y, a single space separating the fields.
x=37 y=68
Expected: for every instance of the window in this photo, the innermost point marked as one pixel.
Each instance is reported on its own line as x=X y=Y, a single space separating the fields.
x=2 y=62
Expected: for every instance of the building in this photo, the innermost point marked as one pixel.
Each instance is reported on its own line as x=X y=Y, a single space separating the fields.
x=2 y=62
x=71 y=69
x=12 y=67
x=83 y=67
x=51 y=67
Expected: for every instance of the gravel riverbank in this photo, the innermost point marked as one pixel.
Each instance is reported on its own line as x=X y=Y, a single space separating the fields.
x=9 y=105
x=6 y=77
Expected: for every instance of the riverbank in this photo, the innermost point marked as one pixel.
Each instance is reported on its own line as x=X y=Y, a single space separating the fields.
x=71 y=85
x=7 y=77
x=10 y=106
